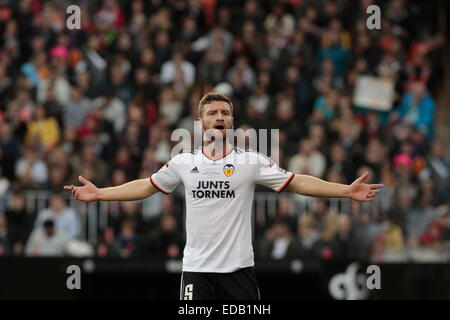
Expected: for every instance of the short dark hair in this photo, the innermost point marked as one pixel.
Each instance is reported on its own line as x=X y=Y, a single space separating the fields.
x=49 y=223
x=213 y=96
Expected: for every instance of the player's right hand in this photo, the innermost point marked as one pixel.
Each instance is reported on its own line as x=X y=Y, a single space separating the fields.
x=87 y=192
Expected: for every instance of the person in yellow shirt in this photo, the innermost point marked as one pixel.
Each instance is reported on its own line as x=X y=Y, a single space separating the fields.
x=393 y=236
x=44 y=130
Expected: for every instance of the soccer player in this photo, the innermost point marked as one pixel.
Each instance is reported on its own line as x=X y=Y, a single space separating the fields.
x=219 y=184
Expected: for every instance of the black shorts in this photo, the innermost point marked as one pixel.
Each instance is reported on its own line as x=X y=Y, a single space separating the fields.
x=238 y=285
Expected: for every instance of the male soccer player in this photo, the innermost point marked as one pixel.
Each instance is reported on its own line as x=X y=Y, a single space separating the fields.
x=219 y=185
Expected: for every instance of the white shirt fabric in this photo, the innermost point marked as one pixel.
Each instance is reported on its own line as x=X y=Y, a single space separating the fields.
x=38 y=173
x=218 y=207
x=169 y=71
x=66 y=222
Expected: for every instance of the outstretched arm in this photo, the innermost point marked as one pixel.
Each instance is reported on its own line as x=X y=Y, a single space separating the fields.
x=133 y=190
x=315 y=187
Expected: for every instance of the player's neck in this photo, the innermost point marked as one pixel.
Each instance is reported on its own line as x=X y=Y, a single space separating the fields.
x=214 y=150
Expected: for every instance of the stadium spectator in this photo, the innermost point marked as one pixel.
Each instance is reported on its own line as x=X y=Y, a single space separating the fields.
x=76 y=109
x=130 y=211
x=31 y=169
x=419 y=218
x=177 y=65
x=308 y=234
x=19 y=223
x=47 y=241
x=5 y=246
x=5 y=185
x=128 y=243
x=64 y=218
x=166 y=241
x=308 y=161
x=43 y=130
x=344 y=238
x=417 y=108
x=438 y=169
x=278 y=242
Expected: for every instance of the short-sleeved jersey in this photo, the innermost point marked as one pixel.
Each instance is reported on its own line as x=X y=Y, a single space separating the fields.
x=219 y=199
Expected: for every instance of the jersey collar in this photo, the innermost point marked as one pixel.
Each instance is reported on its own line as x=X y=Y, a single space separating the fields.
x=217 y=158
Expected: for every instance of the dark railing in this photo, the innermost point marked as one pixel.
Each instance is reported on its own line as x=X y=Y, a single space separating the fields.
x=93 y=216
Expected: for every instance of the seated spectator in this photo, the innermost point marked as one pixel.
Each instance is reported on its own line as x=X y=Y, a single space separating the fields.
x=178 y=64
x=105 y=246
x=326 y=248
x=438 y=169
x=114 y=109
x=433 y=235
x=347 y=119
x=308 y=160
x=166 y=241
x=327 y=104
x=10 y=150
x=334 y=50
x=417 y=107
x=128 y=242
x=339 y=162
x=344 y=238
x=76 y=109
x=365 y=232
x=5 y=185
x=277 y=18
x=54 y=92
x=46 y=242
x=278 y=242
x=243 y=69
x=393 y=236
x=18 y=223
x=418 y=219
x=5 y=248
x=130 y=211
x=31 y=169
x=64 y=218
x=308 y=234
x=43 y=130
x=170 y=107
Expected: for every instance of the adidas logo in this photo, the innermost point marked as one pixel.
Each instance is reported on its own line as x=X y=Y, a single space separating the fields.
x=194 y=170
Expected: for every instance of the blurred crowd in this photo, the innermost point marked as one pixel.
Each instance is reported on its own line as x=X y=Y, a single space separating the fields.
x=102 y=101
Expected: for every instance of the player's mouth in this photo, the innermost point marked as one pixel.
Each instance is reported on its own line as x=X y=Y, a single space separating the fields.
x=220 y=127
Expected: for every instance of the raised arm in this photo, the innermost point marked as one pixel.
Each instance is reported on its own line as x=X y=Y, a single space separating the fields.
x=315 y=187
x=133 y=190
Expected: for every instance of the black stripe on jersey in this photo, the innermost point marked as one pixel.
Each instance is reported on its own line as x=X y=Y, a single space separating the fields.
x=286 y=183
x=156 y=186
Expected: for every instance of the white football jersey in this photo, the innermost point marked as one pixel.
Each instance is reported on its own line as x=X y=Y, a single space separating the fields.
x=219 y=199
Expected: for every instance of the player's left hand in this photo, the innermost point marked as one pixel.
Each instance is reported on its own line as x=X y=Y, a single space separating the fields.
x=361 y=191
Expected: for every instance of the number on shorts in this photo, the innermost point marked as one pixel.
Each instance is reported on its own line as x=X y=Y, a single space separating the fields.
x=188 y=291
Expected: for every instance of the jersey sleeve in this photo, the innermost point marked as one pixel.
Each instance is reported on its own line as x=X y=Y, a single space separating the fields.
x=269 y=174
x=166 y=179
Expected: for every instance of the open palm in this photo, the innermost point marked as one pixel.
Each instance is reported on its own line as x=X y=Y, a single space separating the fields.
x=87 y=192
x=361 y=191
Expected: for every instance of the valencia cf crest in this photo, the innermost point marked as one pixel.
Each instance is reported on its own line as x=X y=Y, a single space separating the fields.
x=228 y=169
